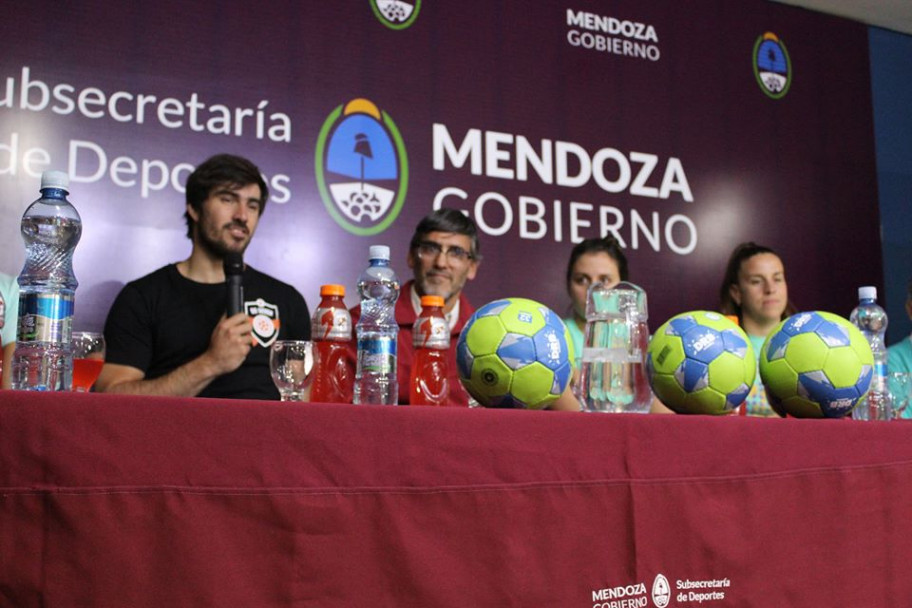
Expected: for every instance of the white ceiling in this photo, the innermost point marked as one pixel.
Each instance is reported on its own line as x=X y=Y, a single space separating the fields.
x=894 y=15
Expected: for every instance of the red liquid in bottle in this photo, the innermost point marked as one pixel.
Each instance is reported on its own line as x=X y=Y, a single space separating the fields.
x=334 y=379
x=428 y=384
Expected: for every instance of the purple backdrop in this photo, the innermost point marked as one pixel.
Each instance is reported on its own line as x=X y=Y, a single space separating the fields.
x=795 y=173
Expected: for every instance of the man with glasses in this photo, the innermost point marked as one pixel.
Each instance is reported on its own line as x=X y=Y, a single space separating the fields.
x=443 y=256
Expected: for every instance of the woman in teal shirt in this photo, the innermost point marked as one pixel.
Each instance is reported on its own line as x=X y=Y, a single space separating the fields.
x=754 y=289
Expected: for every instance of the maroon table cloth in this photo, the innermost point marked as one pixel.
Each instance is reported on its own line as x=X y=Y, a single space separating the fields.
x=152 y=502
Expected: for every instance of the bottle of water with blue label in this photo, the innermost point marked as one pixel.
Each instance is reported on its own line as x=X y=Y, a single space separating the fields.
x=871 y=319
x=51 y=227
x=376 y=331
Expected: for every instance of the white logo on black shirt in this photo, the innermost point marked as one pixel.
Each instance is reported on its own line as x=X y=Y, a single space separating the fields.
x=265 y=319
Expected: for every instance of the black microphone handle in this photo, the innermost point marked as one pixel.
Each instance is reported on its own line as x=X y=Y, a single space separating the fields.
x=235 y=295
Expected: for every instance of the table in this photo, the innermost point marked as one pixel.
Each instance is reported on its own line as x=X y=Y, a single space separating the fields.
x=138 y=501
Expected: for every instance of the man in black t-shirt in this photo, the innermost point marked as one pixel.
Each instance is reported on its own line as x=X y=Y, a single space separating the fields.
x=167 y=333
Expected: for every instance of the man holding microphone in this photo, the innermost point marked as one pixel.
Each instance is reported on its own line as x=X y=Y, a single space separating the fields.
x=168 y=333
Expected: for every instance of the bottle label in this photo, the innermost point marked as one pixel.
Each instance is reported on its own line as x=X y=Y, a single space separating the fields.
x=45 y=317
x=332 y=324
x=377 y=355
x=431 y=332
x=879 y=379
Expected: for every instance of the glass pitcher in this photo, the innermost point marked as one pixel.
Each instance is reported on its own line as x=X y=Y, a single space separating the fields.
x=612 y=366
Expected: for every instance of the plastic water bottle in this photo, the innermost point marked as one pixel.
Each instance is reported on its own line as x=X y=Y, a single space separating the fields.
x=612 y=366
x=429 y=380
x=51 y=228
x=871 y=319
x=332 y=329
x=375 y=378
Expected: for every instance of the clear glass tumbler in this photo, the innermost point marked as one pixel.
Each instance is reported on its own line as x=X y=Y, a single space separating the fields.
x=290 y=363
x=88 y=358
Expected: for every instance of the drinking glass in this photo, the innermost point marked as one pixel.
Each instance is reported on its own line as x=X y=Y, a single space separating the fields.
x=900 y=386
x=290 y=362
x=88 y=358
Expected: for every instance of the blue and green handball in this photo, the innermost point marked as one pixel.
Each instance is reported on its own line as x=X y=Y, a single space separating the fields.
x=700 y=362
x=514 y=353
x=815 y=365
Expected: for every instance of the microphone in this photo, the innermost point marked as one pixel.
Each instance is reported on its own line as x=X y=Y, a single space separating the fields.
x=234 y=268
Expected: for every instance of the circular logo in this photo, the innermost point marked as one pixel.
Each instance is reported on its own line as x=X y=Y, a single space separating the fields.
x=396 y=14
x=489 y=377
x=263 y=325
x=772 y=65
x=661 y=591
x=361 y=167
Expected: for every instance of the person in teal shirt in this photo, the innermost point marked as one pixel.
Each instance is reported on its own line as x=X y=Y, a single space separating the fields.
x=754 y=290
x=899 y=355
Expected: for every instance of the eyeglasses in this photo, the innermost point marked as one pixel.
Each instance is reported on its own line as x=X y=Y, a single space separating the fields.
x=429 y=250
